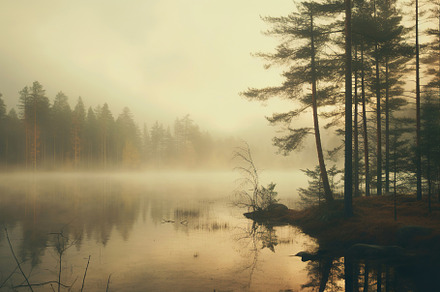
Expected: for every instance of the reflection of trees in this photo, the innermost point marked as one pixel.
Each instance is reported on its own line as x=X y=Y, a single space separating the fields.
x=324 y=274
x=79 y=209
x=91 y=209
x=373 y=274
x=261 y=236
x=254 y=239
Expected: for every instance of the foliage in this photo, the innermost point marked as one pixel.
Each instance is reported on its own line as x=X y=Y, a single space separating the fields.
x=267 y=196
x=314 y=193
x=304 y=40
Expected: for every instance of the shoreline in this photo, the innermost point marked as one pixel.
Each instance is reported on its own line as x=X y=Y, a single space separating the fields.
x=372 y=223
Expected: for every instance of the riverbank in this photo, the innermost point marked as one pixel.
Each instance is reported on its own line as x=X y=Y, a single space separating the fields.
x=372 y=223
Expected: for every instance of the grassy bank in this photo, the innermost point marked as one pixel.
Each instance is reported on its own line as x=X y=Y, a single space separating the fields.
x=373 y=223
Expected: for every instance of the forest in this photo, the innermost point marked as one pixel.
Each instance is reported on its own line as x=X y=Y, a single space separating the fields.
x=45 y=135
x=369 y=72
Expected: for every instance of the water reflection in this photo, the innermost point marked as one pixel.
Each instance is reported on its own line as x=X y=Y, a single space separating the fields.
x=409 y=272
x=92 y=209
x=76 y=209
x=150 y=233
x=261 y=243
x=254 y=240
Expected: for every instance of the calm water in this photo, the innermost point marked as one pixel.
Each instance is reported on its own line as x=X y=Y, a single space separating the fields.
x=150 y=232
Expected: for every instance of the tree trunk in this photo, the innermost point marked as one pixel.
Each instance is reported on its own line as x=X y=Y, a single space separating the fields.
x=379 y=129
x=356 y=132
x=364 y=123
x=328 y=195
x=387 y=129
x=418 y=151
x=378 y=120
x=348 y=182
x=429 y=181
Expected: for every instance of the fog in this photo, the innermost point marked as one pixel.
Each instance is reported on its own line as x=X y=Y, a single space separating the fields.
x=162 y=59
x=126 y=143
x=156 y=231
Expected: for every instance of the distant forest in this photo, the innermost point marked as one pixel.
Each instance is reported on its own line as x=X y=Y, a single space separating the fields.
x=45 y=135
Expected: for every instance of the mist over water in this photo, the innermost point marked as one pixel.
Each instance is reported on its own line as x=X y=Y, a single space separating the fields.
x=161 y=231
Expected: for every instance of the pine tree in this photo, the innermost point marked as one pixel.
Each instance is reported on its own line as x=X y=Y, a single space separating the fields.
x=157 y=143
x=304 y=39
x=34 y=107
x=348 y=180
x=418 y=118
x=128 y=140
x=78 y=124
x=61 y=127
x=106 y=128
x=91 y=138
x=430 y=142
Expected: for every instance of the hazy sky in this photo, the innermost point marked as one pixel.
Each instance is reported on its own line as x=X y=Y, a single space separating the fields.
x=161 y=58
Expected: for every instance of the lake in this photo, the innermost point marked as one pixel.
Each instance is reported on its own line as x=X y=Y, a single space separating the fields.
x=163 y=231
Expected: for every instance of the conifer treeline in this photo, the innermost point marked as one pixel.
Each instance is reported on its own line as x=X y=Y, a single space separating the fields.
x=46 y=136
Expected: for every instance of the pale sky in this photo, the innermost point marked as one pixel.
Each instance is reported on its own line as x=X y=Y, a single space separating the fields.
x=161 y=58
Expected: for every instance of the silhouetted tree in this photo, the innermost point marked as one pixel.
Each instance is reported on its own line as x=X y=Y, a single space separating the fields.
x=128 y=140
x=304 y=39
x=34 y=107
x=14 y=140
x=106 y=128
x=157 y=143
x=77 y=131
x=91 y=134
x=61 y=127
x=418 y=118
x=430 y=142
x=314 y=193
x=348 y=176
x=146 y=145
